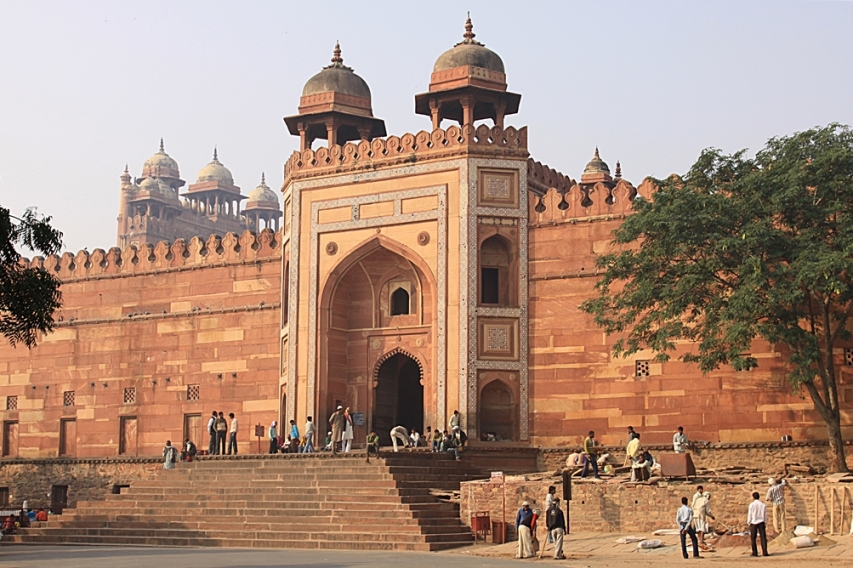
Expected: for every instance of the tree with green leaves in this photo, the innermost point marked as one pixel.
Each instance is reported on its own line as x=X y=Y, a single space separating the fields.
x=740 y=249
x=29 y=296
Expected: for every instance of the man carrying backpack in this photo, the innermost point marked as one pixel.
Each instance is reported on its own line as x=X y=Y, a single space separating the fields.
x=556 y=524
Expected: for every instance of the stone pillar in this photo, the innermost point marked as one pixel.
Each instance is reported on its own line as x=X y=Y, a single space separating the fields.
x=435 y=113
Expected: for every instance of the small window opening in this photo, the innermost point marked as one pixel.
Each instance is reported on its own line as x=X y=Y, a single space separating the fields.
x=489 y=285
x=399 y=302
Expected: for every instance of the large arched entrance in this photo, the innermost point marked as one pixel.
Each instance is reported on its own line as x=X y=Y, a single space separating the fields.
x=399 y=396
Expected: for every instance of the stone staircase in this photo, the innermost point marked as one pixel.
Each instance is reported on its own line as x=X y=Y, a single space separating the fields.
x=316 y=501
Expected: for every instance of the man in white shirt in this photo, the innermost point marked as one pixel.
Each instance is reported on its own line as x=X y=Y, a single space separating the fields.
x=684 y=520
x=454 y=421
x=309 y=436
x=399 y=433
x=232 y=434
x=756 y=518
x=679 y=441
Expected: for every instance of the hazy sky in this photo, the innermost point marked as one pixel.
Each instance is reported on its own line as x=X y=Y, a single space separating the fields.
x=86 y=87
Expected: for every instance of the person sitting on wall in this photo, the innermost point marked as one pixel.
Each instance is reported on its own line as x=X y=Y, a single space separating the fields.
x=41 y=516
x=9 y=525
x=373 y=443
x=23 y=520
x=437 y=436
x=189 y=451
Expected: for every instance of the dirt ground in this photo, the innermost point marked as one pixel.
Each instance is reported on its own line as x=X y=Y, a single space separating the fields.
x=596 y=550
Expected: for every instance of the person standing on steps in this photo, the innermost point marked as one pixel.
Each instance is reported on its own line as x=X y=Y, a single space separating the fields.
x=170 y=455
x=401 y=434
x=346 y=437
x=274 y=437
x=295 y=448
x=232 y=434
x=309 y=436
x=336 y=421
x=221 y=427
x=211 y=447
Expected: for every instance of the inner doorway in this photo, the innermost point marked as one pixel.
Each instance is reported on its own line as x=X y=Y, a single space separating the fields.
x=399 y=397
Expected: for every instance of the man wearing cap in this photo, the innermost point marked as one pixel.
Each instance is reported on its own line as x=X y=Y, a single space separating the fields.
x=523 y=521
x=337 y=421
x=777 y=499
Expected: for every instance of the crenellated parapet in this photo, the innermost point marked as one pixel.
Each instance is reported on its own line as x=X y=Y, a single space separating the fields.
x=367 y=154
x=581 y=202
x=195 y=253
x=541 y=178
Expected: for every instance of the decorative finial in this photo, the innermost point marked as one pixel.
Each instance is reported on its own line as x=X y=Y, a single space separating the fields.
x=597 y=157
x=263 y=179
x=126 y=170
x=618 y=169
x=215 y=157
x=469 y=34
x=336 y=54
x=161 y=145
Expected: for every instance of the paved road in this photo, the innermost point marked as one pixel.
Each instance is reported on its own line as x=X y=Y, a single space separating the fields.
x=132 y=557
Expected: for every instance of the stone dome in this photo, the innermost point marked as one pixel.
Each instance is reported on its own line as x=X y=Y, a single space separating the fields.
x=161 y=159
x=262 y=193
x=149 y=184
x=337 y=78
x=469 y=52
x=596 y=165
x=215 y=171
x=166 y=190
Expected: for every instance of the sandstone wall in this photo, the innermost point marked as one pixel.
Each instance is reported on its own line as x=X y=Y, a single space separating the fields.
x=155 y=339
x=87 y=479
x=577 y=386
x=770 y=456
x=641 y=509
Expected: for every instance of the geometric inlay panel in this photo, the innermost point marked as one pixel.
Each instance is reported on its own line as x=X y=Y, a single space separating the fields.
x=498 y=188
x=498 y=339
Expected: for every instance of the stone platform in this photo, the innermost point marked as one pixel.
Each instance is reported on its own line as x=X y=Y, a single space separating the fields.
x=316 y=501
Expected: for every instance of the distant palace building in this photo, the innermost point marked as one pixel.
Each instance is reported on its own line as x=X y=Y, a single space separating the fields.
x=411 y=276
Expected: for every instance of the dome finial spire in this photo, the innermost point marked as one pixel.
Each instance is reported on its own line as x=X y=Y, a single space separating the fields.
x=618 y=170
x=597 y=157
x=469 y=34
x=162 y=149
x=215 y=155
x=336 y=53
x=263 y=178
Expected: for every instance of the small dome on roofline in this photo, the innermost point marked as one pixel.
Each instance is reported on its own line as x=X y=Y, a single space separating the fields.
x=215 y=171
x=161 y=159
x=469 y=52
x=596 y=165
x=262 y=193
x=337 y=78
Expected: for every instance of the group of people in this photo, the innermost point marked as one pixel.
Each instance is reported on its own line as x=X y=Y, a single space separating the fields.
x=451 y=440
x=693 y=522
x=219 y=429
x=24 y=519
x=292 y=442
x=555 y=523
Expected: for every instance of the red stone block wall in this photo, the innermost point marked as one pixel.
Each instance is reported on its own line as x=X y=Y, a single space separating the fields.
x=576 y=385
x=141 y=333
x=641 y=509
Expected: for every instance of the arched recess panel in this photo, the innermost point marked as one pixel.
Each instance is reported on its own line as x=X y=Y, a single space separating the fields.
x=498 y=411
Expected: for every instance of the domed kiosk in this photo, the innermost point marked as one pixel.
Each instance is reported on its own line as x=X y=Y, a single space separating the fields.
x=335 y=106
x=214 y=194
x=468 y=83
x=262 y=209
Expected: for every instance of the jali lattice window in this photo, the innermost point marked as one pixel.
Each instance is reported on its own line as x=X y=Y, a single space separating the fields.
x=641 y=368
x=12 y=402
x=192 y=392
x=68 y=398
x=848 y=357
x=130 y=395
